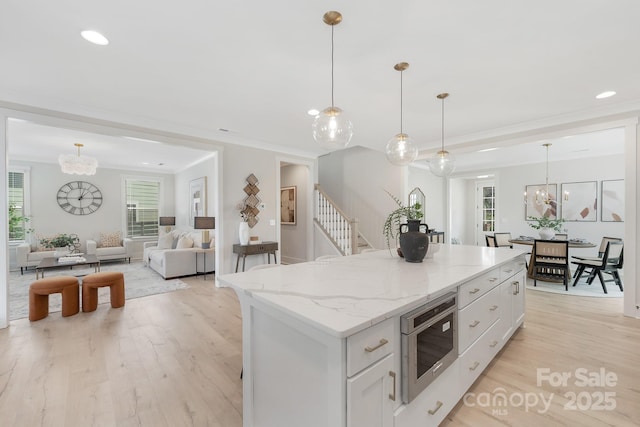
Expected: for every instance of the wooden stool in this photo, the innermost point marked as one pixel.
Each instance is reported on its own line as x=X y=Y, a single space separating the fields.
x=91 y=283
x=40 y=290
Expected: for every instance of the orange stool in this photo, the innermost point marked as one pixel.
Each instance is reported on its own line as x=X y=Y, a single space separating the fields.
x=91 y=283
x=40 y=290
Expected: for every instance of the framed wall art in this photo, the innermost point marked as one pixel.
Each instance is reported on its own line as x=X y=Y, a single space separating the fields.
x=535 y=205
x=612 y=201
x=197 y=198
x=288 y=205
x=579 y=201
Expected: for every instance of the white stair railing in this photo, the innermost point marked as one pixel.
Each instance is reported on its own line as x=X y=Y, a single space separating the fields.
x=339 y=228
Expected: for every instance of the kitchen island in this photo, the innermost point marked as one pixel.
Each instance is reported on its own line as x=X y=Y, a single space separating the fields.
x=321 y=340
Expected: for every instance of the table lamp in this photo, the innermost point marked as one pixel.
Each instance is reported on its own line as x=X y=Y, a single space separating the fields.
x=204 y=223
x=168 y=222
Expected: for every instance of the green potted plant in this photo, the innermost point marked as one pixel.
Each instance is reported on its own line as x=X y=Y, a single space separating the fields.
x=391 y=229
x=546 y=226
x=18 y=224
x=62 y=240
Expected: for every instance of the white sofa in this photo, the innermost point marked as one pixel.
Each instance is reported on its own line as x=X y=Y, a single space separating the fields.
x=27 y=257
x=123 y=251
x=178 y=254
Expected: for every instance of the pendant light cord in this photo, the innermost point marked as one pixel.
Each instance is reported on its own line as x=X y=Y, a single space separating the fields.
x=332 y=67
x=442 y=127
x=401 y=102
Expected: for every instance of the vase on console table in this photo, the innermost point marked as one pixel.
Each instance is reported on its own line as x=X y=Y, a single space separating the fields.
x=547 y=233
x=243 y=233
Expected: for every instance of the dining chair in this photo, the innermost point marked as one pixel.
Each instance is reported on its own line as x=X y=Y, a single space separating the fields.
x=502 y=240
x=601 y=249
x=491 y=241
x=611 y=261
x=550 y=261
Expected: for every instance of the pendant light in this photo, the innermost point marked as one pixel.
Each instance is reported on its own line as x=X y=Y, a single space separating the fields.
x=442 y=163
x=77 y=164
x=542 y=196
x=401 y=150
x=331 y=128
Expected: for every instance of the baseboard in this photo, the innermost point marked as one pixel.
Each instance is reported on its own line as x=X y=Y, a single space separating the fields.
x=291 y=260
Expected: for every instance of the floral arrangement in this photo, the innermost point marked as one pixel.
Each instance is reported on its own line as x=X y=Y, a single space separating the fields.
x=545 y=222
x=395 y=218
x=245 y=211
x=61 y=241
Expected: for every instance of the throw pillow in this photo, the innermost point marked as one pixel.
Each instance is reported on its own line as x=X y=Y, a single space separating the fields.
x=184 y=243
x=165 y=242
x=110 y=240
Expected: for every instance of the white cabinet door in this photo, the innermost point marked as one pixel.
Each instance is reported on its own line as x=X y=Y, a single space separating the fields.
x=371 y=395
x=517 y=307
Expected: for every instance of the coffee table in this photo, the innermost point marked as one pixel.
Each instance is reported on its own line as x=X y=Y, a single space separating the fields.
x=51 y=263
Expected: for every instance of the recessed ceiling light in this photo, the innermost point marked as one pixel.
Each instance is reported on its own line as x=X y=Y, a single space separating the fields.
x=145 y=163
x=313 y=112
x=606 y=94
x=94 y=37
x=487 y=149
x=482 y=176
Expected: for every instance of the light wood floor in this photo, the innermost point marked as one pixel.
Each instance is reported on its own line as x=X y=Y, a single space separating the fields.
x=174 y=360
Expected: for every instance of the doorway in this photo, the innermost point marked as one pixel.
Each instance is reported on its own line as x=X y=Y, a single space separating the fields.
x=485 y=210
x=295 y=219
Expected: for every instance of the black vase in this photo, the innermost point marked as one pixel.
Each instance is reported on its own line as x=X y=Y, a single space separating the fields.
x=414 y=242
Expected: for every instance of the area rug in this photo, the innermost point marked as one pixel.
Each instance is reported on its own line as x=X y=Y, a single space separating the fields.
x=582 y=289
x=139 y=281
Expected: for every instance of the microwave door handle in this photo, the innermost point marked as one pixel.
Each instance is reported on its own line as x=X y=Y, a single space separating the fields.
x=434 y=320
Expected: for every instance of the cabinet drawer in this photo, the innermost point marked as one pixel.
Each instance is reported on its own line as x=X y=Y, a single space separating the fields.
x=476 y=318
x=369 y=346
x=475 y=288
x=434 y=403
x=511 y=268
x=473 y=361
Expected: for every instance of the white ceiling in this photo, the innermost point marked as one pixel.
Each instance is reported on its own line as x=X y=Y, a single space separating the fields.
x=254 y=68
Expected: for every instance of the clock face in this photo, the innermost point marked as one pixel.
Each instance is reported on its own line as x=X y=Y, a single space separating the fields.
x=79 y=198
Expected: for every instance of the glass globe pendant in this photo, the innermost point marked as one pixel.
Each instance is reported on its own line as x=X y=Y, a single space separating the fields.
x=442 y=163
x=332 y=129
x=401 y=150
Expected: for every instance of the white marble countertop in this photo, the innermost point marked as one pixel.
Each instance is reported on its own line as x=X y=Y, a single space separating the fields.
x=344 y=295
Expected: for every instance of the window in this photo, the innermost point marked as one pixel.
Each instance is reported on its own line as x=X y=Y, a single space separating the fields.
x=143 y=202
x=18 y=209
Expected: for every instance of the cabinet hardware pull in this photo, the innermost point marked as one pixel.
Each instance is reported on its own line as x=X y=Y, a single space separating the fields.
x=517 y=285
x=370 y=349
x=475 y=366
x=475 y=323
x=493 y=279
x=493 y=308
x=392 y=396
x=438 y=406
x=493 y=344
x=475 y=291
x=508 y=271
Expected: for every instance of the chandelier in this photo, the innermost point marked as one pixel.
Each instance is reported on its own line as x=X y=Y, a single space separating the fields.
x=331 y=128
x=77 y=164
x=543 y=197
x=442 y=163
x=401 y=150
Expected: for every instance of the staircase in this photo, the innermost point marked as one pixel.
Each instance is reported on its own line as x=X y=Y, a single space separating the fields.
x=341 y=230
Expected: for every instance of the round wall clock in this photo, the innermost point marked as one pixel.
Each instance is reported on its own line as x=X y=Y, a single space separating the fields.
x=79 y=198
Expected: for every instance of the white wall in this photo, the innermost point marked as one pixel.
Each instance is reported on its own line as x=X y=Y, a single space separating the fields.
x=461 y=213
x=293 y=238
x=432 y=187
x=355 y=179
x=180 y=208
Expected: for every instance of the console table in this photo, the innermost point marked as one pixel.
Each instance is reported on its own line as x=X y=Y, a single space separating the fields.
x=268 y=248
